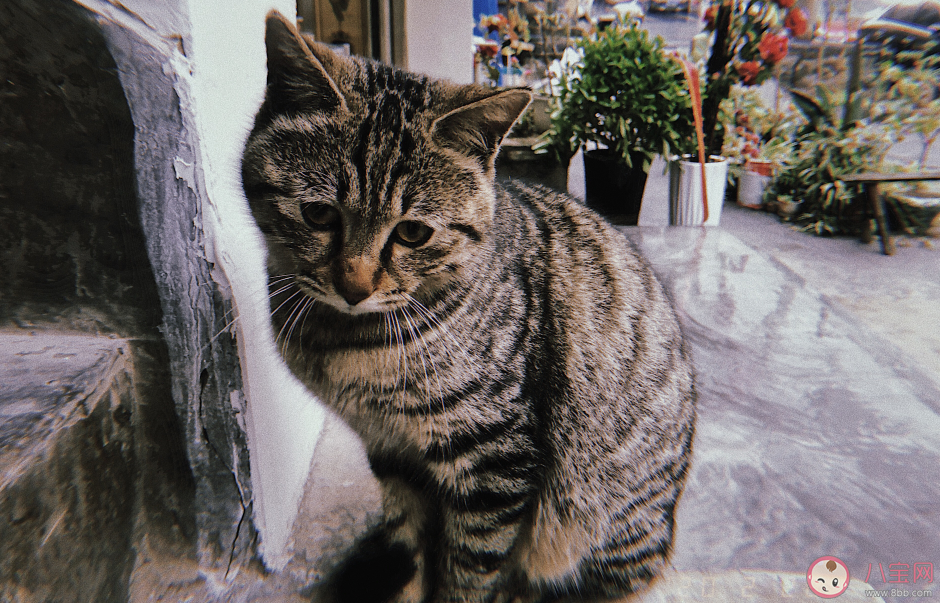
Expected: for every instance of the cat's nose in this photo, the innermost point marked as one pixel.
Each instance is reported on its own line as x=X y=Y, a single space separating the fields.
x=353 y=295
x=354 y=281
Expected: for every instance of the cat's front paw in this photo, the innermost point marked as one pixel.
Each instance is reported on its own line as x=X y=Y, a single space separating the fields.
x=376 y=572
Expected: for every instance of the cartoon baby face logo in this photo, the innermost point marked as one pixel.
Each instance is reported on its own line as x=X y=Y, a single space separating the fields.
x=828 y=577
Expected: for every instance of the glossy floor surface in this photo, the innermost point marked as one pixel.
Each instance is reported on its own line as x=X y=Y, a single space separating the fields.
x=818 y=430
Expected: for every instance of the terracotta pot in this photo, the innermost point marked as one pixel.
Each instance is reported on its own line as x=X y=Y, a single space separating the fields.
x=759 y=166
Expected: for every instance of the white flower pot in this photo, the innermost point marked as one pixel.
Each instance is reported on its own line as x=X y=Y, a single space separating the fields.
x=751 y=187
x=686 y=206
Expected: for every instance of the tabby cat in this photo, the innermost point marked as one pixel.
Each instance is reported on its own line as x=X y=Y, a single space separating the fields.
x=514 y=369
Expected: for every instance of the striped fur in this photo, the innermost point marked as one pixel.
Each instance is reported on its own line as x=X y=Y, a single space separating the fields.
x=519 y=379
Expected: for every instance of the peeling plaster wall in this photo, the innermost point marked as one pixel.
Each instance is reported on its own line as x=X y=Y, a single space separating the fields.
x=206 y=374
x=194 y=75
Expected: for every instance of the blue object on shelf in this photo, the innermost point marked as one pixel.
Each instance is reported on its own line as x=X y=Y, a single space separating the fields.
x=510 y=76
x=483 y=7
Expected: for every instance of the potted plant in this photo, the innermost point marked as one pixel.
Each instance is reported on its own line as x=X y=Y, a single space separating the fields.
x=518 y=160
x=749 y=39
x=913 y=102
x=758 y=141
x=696 y=183
x=842 y=135
x=621 y=99
x=503 y=59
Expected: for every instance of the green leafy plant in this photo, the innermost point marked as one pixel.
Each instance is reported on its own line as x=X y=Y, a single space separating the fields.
x=913 y=99
x=909 y=87
x=828 y=147
x=624 y=93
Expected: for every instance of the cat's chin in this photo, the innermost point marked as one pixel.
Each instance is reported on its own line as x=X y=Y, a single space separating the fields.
x=368 y=306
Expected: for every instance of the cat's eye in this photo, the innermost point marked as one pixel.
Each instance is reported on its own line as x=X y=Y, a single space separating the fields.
x=320 y=216
x=412 y=234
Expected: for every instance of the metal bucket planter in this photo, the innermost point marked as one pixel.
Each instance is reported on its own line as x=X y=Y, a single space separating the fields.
x=686 y=203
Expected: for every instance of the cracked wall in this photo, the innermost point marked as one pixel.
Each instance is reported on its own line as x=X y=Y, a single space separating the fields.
x=101 y=237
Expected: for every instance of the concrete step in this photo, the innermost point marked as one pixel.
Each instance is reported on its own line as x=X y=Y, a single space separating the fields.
x=81 y=479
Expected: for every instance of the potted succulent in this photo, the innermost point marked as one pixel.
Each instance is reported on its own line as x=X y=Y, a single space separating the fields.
x=621 y=99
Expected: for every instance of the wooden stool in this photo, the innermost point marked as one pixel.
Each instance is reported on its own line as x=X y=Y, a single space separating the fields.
x=870 y=182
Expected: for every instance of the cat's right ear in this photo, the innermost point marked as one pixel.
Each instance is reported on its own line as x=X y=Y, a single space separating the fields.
x=478 y=128
x=296 y=79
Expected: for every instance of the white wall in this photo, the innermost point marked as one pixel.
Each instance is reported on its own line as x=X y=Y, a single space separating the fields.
x=228 y=78
x=439 y=38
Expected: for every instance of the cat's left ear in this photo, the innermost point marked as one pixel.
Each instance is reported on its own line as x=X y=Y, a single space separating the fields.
x=297 y=80
x=477 y=128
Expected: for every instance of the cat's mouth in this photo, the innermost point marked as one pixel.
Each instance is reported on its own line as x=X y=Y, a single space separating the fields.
x=377 y=302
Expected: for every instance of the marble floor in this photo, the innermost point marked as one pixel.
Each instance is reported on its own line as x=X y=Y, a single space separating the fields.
x=816 y=435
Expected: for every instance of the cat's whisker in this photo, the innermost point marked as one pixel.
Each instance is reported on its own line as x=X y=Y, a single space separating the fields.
x=293 y=308
x=471 y=362
x=416 y=335
x=306 y=313
x=281 y=305
x=388 y=345
x=415 y=338
x=222 y=330
x=296 y=316
x=237 y=317
x=304 y=307
x=284 y=288
x=402 y=355
x=425 y=357
x=434 y=323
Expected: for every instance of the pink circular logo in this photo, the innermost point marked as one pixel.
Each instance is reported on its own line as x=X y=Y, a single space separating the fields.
x=828 y=577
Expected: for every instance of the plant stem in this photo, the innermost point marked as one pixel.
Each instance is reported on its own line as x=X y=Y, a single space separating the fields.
x=718 y=85
x=851 y=113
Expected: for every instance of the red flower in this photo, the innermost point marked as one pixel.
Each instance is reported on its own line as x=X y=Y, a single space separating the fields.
x=796 y=22
x=773 y=47
x=748 y=72
x=785 y=3
x=488 y=51
x=493 y=23
x=711 y=13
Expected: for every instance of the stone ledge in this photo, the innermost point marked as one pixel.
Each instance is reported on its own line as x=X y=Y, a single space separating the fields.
x=92 y=467
x=67 y=463
x=48 y=383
